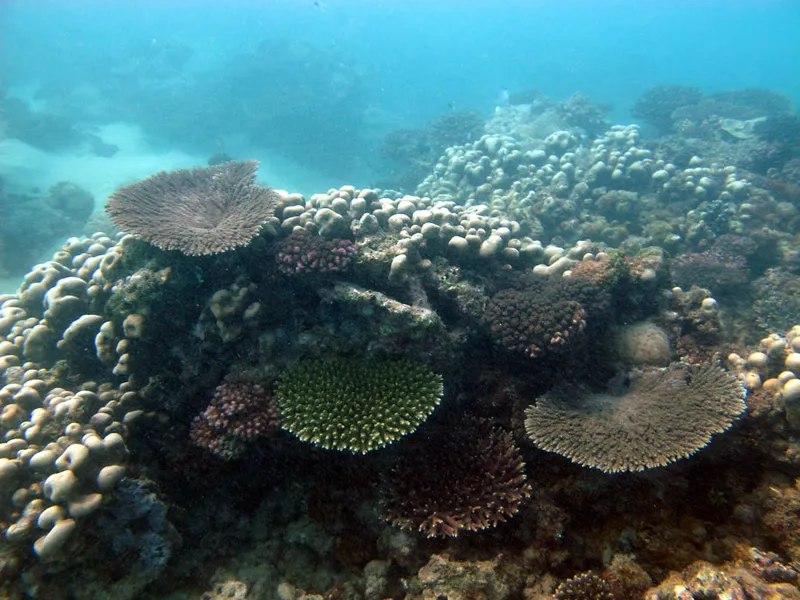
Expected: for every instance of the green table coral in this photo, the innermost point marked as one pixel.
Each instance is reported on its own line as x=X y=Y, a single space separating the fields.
x=357 y=406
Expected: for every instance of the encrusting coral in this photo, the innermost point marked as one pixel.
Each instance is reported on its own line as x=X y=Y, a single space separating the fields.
x=661 y=417
x=348 y=405
x=195 y=211
x=470 y=477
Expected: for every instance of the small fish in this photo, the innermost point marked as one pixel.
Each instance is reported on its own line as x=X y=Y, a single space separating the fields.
x=502 y=98
x=320 y=5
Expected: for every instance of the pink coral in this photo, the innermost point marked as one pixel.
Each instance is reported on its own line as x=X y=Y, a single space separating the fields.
x=240 y=412
x=303 y=252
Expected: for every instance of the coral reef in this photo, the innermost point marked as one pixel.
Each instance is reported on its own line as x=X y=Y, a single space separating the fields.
x=347 y=405
x=31 y=224
x=776 y=299
x=658 y=103
x=196 y=211
x=541 y=279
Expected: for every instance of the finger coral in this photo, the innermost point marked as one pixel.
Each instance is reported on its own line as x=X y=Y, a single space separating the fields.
x=349 y=405
x=240 y=412
x=661 y=417
x=465 y=479
x=195 y=211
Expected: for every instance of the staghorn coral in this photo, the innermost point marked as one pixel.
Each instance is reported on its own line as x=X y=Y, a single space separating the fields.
x=345 y=404
x=303 y=252
x=240 y=412
x=532 y=323
x=662 y=417
x=466 y=479
x=586 y=586
x=195 y=211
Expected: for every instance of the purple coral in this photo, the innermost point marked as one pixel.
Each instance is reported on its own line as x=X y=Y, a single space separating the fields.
x=240 y=412
x=468 y=478
x=303 y=252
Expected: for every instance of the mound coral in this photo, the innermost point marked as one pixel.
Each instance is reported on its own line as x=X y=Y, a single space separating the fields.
x=465 y=479
x=642 y=344
x=303 y=252
x=240 y=412
x=532 y=323
x=195 y=211
x=349 y=405
x=662 y=417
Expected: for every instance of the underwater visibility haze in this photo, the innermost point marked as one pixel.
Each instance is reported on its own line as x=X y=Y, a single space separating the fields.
x=346 y=300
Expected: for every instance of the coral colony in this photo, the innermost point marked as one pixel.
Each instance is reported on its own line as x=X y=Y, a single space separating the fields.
x=565 y=364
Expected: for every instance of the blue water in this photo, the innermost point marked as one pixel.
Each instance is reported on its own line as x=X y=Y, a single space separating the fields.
x=418 y=57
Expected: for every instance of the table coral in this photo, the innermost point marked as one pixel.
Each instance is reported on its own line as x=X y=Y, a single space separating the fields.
x=348 y=405
x=196 y=211
x=660 y=418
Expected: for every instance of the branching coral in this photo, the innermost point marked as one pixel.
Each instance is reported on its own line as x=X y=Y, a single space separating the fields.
x=195 y=211
x=349 y=405
x=303 y=252
x=528 y=322
x=662 y=417
x=466 y=479
x=240 y=412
